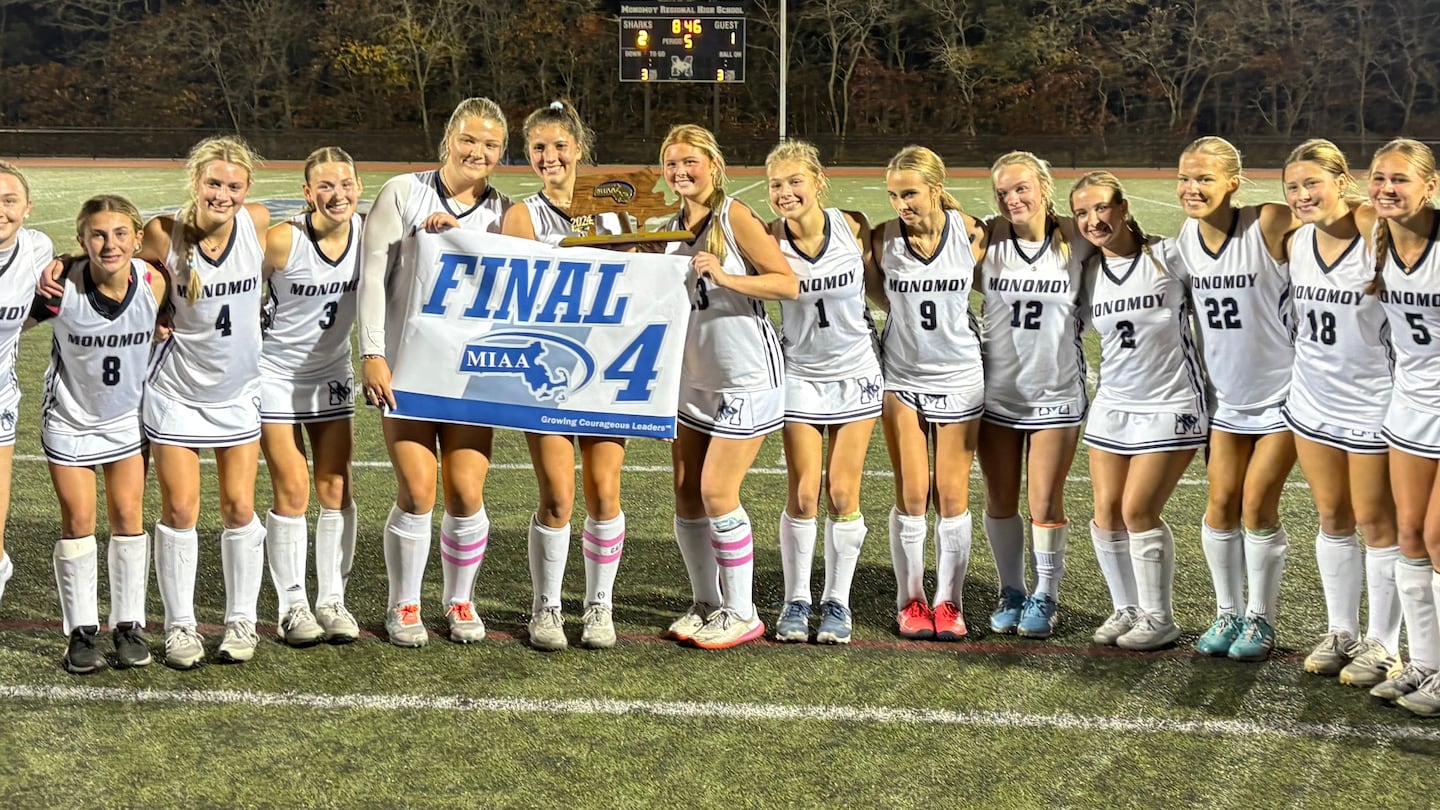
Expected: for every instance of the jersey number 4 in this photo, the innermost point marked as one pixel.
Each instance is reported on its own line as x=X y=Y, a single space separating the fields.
x=222 y=321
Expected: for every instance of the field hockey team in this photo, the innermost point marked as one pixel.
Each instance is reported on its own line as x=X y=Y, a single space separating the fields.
x=1264 y=334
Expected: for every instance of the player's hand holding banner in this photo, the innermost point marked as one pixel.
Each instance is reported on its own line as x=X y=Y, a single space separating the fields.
x=516 y=334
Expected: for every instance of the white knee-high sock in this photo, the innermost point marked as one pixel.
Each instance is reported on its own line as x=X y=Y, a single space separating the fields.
x=1113 y=554
x=407 y=547
x=1007 y=544
x=1264 y=565
x=1383 y=597
x=1225 y=555
x=953 y=539
x=797 y=555
x=843 y=541
x=462 y=549
x=549 y=549
x=176 y=555
x=7 y=570
x=602 y=544
x=734 y=548
x=1049 y=543
x=1413 y=578
x=693 y=538
x=1341 y=570
x=335 y=531
x=128 y=561
x=76 y=579
x=907 y=555
x=1152 y=557
x=285 y=551
x=242 y=558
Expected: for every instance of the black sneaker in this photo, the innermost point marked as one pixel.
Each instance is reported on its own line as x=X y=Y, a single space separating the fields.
x=81 y=657
x=132 y=649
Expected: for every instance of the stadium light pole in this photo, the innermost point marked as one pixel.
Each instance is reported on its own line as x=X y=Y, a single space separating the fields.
x=784 y=68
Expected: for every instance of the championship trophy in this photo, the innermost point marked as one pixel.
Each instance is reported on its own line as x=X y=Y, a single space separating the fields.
x=630 y=197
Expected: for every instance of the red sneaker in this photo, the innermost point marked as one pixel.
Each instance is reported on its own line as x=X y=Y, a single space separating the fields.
x=915 y=620
x=949 y=622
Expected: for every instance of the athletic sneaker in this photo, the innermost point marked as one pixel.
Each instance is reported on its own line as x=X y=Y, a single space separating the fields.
x=949 y=622
x=1116 y=625
x=794 y=622
x=1148 y=634
x=725 y=629
x=1425 y=700
x=238 y=645
x=338 y=624
x=81 y=657
x=547 y=630
x=1037 y=619
x=1257 y=639
x=1401 y=683
x=1370 y=666
x=184 y=648
x=597 y=628
x=403 y=626
x=465 y=626
x=915 y=620
x=298 y=628
x=1331 y=655
x=835 y=624
x=1008 y=607
x=132 y=649
x=1222 y=633
x=690 y=622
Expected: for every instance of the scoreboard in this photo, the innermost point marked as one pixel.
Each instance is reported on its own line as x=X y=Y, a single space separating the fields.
x=682 y=42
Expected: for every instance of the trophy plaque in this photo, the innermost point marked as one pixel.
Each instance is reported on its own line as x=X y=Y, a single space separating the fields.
x=631 y=196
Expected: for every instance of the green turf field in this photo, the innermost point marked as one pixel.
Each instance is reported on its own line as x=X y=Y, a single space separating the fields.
x=993 y=721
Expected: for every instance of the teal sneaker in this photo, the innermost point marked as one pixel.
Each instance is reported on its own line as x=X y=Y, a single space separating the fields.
x=794 y=622
x=1037 y=617
x=1222 y=633
x=1257 y=639
x=1008 y=607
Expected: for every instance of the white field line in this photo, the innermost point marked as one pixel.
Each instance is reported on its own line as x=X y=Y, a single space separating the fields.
x=1166 y=203
x=665 y=468
x=748 y=712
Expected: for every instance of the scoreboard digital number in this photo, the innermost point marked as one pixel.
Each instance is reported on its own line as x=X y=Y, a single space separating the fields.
x=682 y=43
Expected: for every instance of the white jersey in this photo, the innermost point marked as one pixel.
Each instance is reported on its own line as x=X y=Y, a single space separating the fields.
x=99 y=352
x=213 y=352
x=931 y=343
x=1342 y=345
x=1242 y=298
x=19 y=273
x=827 y=330
x=551 y=224
x=1031 y=337
x=1411 y=299
x=1148 y=359
x=731 y=344
x=310 y=307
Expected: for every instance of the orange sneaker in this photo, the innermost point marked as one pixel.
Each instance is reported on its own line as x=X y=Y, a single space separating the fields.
x=915 y=620
x=949 y=622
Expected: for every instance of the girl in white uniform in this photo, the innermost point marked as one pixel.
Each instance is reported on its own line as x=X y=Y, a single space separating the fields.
x=1240 y=287
x=204 y=392
x=306 y=375
x=924 y=266
x=832 y=387
x=731 y=389
x=458 y=194
x=1035 y=387
x=24 y=255
x=557 y=141
x=1406 y=246
x=1339 y=391
x=1148 y=418
x=104 y=322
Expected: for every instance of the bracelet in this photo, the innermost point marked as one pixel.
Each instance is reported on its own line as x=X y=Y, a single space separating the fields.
x=372 y=357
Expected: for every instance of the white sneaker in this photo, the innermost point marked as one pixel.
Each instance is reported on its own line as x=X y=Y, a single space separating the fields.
x=1331 y=655
x=298 y=627
x=1149 y=633
x=599 y=628
x=547 y=630
x=465 y=625
x=337 y=623
x=238 y=645
x=1117 y=625
x=184 y=648
x=403 y=626
x=690 y=622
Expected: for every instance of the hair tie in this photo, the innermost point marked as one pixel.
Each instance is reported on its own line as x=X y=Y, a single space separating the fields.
x=557 y=106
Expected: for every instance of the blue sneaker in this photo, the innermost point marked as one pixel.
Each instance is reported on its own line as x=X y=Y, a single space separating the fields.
x=1222 y=633
x=794 y=622
x=834 y=624
x=1037 y=617
x=1257 y=639
x=1008 y=607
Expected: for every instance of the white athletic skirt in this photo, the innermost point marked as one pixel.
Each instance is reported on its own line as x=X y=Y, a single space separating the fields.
x=944 y=409
x=323 y=398
x=1411 y=430
x=1058 y=414
x=203 y=424
x=1308 y=423
x=1249 y=421
x=732 y=414
x=834 y=402
x=9 y=413
x=102 y=444
x=1131 y=433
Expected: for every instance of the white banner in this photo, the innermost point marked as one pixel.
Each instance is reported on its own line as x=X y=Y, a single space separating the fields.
x=512 y=333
